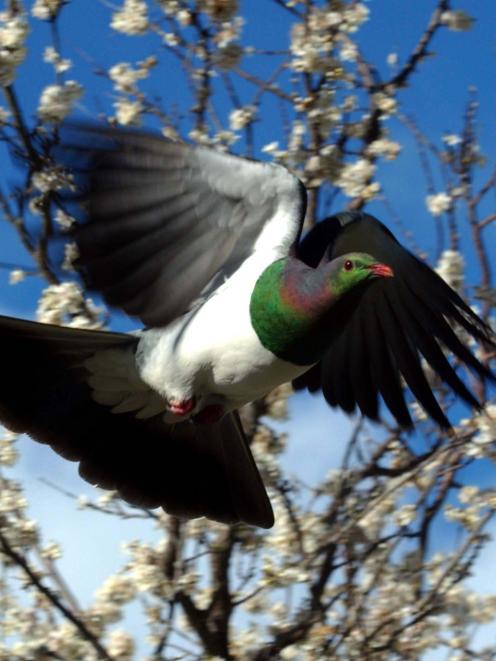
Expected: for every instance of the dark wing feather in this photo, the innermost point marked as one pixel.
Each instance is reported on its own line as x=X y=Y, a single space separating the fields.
x=163 y=222
x=364 y=389
x=407 y=357
x=189 y=470
x=337 y=386
x=383 y=366
x=428 y=345
x=380 y=332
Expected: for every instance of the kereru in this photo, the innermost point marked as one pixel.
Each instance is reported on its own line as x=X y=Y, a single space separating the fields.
x=204 y=248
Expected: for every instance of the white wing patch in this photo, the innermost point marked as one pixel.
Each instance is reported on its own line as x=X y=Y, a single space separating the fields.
x=255 y=183
x=115 y=382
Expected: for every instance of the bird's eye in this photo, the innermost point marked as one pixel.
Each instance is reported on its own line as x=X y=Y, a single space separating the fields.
x=348 y=265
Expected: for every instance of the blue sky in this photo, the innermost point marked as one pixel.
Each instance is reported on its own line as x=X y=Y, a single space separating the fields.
x=436 y=98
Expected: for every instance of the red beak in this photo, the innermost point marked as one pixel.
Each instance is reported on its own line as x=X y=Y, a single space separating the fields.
x=382 y=270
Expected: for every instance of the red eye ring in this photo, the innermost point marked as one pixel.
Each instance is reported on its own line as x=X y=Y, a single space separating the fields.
x=348 y=265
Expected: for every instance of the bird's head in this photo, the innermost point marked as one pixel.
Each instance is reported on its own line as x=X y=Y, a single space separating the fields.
x=354 y=268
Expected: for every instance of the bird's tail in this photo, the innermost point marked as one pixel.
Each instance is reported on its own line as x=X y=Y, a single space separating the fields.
x=187 y=469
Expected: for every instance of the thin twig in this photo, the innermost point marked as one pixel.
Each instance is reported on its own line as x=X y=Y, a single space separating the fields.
x=19 y=560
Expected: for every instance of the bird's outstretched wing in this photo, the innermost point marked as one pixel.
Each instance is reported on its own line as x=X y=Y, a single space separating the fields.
x=379 y=333
x=190 y=470
x=163 y=219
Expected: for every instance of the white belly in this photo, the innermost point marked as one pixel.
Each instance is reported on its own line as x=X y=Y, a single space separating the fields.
x=215 y=354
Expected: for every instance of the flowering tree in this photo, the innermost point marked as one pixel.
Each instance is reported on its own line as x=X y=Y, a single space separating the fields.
x=350 y=569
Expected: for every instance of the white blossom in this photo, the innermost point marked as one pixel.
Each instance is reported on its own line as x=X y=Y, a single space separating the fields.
x=468 y=494
x=229 y=31
x=386 y=103
x=296 y=138
x=170 y=7
x=51 y=551
x=13 y=33
x=128 y=112
x=71 y=254
x=17 y=275
x=354 y=15
x=12 y=499
x=132 y=19
x=349 y=51
x=184 y=17
x=312 y=43
x=52 y=179
x=468 y=517
x=450 y=267
x=83 y=501
x=64 y=641
x=418 y=412
x=46 y=9
x=52 y=57
x=200 y=136
x=354 y=179
x=125 y=76
x=4 y=116
x=272 y=148
x=349 y=103
x=392 y=59
x=384 y=147
x=486 y=425
x=240 y=117
x=8 y=452
x=63 y=219
x=438 y=203
x=56 y=101
x=405 y=515
x=373 y=519
x=170 y=39
x=457 y=20
x=452 y=139
x=120 y=645
x=223 y=138
x=116 y=588
x=64 y=304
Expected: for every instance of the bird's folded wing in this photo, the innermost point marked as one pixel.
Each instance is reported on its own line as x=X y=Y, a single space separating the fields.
x=380 y=333
x=189 y=470
x=162 y=219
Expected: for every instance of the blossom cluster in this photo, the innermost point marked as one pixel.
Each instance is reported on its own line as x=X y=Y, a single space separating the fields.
x=46 y=10
x=132 y=18
x=438 y=203
x=65 y=305
x=59 y=63
x=313 y=43
x=355 y=179
x=450 y=267
x=57 y=101
x=129 y=105
x=13 y=33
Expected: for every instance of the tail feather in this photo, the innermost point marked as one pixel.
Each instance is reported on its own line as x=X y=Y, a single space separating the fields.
x=187 y=469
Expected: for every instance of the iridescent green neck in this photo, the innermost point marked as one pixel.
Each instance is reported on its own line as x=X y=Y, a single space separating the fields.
x=287 y=306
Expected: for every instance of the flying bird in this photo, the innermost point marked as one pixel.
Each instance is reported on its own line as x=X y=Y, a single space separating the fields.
x=205 y=249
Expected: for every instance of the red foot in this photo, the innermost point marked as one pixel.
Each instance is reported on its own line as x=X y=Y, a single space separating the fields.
x=210 y=414
x=182 y=408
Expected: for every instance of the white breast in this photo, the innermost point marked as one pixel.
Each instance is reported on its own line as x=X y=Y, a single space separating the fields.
x=214 y=350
